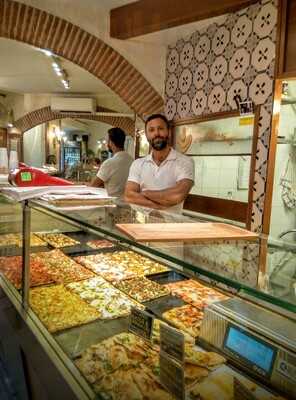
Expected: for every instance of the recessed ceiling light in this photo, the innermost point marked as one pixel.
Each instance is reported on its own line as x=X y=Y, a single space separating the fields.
x=55 y=65
x=58 y=72
x=10 y=125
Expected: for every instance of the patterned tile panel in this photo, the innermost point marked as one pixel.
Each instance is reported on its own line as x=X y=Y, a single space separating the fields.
x=206 y=71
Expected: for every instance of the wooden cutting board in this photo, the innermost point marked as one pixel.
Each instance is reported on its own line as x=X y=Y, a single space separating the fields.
x=186 y=232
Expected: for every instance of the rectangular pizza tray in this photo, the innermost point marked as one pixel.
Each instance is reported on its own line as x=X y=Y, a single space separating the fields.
x=82 y=248
x=158 y=306
x=167 y=277
x=75 y=340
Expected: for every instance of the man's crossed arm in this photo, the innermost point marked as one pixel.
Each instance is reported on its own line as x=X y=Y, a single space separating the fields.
x=158 y=198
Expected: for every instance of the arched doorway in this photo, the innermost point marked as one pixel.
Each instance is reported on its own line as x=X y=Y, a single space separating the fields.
x=45 y=114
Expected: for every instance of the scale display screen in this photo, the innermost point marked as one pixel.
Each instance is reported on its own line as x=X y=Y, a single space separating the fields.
x=251 y=349
x=26 y=176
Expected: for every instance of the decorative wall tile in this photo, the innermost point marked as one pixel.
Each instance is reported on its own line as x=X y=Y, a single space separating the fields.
x=170 y=108
x=235 y=57
x=184 y=106
x=171 y=85
x=199 y=102
x=231 y=20
x=220 y=40
x=263 y=54
x=239 y=63
x=202 y=48
x=218 y=70
x=216 y=99
x=200 y=75
x=185 y=80
x=265 y=21
x=261 y=88
x=264 y=121
x=262 y=151
x=186 y=55
x=241 y=31
x=173 y=60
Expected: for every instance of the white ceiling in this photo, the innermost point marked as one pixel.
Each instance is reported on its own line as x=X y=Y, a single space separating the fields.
x=24 y=69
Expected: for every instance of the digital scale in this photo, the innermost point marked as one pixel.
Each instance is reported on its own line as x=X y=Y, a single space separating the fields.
x=258 y=341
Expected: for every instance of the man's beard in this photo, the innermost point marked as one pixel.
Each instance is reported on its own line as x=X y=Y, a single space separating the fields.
x=159 y=143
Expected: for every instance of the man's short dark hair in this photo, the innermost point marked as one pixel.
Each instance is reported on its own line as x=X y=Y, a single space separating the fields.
x=156 y=116
x=117 y=137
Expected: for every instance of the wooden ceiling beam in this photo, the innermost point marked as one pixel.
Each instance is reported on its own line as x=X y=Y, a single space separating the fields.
x=147 y=16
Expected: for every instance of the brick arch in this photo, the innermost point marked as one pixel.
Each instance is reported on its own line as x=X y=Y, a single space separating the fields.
x=45 y=114
x=43 y=30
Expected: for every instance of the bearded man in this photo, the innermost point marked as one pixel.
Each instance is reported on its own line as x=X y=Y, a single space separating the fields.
x=163 y=179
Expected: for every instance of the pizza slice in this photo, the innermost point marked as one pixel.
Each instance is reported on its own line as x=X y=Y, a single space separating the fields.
x=187 y=318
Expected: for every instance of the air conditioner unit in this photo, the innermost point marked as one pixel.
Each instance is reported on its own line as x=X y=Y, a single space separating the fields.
x=73 y=105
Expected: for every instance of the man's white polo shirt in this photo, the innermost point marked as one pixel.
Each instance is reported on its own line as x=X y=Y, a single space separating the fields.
x=151 y=176
x=114 y=172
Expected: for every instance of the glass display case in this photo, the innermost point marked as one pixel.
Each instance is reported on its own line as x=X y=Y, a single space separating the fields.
x=70 y=279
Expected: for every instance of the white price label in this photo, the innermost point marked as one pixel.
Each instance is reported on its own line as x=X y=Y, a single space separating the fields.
x=172 y=342
x=172 y=376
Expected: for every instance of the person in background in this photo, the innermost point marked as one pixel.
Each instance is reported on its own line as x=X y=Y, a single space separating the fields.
x=163 y=179
x=97 y=162
x=113 y=172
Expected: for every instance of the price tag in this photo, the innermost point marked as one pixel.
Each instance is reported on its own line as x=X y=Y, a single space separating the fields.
x=172 y=376
x=141 y=323
x=241 y=392
x=172 y=342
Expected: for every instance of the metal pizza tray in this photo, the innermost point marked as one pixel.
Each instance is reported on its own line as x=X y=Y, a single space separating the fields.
x=167 y=277
x=75 y=340
x=158 y=306
x=82 y=248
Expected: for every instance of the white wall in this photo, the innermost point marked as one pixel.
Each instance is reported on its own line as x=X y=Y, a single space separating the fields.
x=218 y=177
x=34 y=148
x=97 y=132
x=283 y=218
